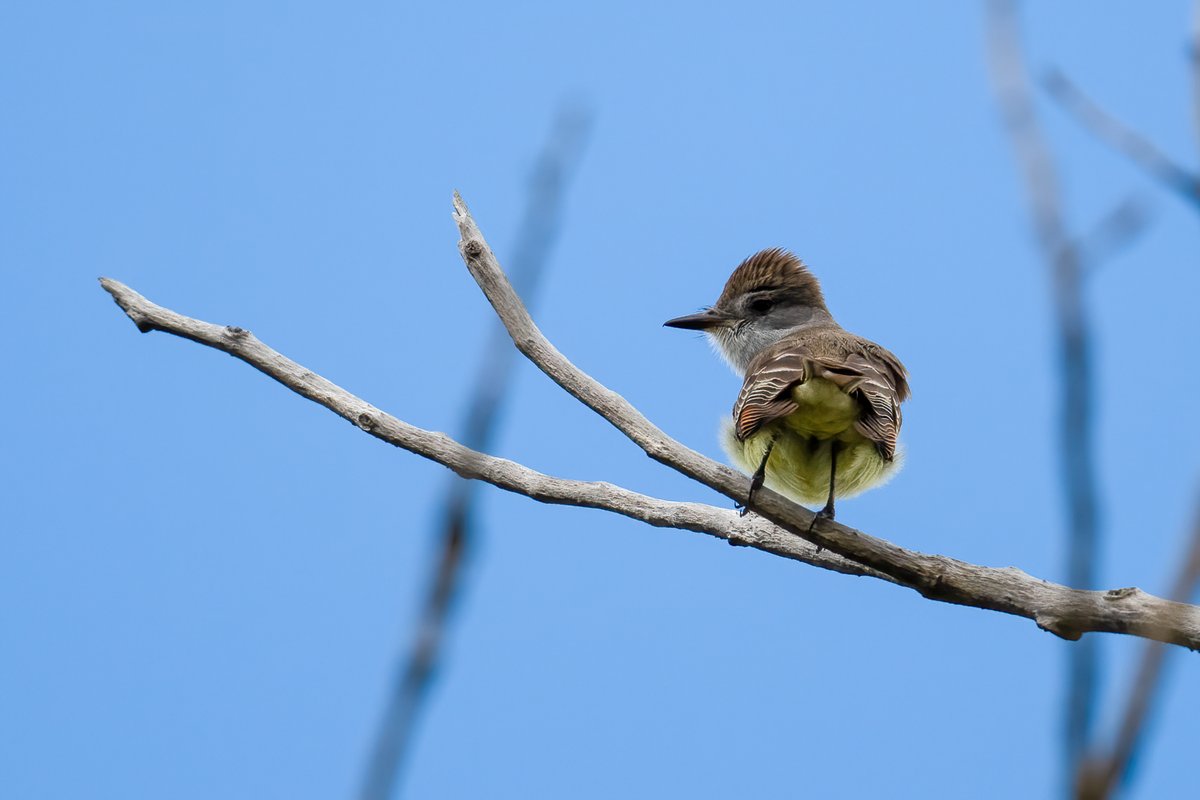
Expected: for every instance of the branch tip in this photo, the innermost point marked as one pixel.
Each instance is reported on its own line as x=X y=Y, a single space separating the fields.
x=127 y=299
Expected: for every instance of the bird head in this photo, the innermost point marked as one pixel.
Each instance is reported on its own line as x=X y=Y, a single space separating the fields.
x=769 y=295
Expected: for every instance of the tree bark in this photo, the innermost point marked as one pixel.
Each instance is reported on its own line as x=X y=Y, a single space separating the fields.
x=779 y=527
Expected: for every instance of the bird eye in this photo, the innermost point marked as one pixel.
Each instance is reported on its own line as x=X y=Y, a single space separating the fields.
x=762 y=305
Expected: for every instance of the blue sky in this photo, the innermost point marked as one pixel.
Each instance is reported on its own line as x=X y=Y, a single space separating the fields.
x=205 y=580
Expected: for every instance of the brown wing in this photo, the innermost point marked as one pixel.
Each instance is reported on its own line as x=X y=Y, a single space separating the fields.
x=880 y=390
x=869 y=373
x=766 y=393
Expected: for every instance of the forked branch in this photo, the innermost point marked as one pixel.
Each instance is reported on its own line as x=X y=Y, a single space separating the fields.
x=1066 y=612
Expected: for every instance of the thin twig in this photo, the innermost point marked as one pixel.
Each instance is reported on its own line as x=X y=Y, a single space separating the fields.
x=1066 y=612
x=1102 y=773
x=1111 y=234
x=1122 y=138
x=456 y=530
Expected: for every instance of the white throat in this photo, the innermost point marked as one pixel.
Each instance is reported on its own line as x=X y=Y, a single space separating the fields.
x=739 y=344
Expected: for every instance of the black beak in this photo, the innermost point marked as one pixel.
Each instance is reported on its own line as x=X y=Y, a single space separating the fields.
x=699 y=322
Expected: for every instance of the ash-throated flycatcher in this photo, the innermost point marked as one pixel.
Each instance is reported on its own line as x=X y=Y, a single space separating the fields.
x=819 y=412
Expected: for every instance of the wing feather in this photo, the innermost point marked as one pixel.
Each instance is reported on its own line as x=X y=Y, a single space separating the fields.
x=865 y=371
x=879 y=393
x=766 y=392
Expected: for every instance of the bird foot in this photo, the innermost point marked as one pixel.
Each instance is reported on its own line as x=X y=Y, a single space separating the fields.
x=825 y=513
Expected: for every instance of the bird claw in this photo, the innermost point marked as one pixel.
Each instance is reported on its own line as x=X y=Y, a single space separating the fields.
x=825 y=513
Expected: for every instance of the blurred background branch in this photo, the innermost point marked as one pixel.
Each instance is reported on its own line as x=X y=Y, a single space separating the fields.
x=1193 y=55
x=1068 y=260
x=1122 y=138
x=1097 y=772
x=1107 y=769
x=458 y=527
x=1112 y=233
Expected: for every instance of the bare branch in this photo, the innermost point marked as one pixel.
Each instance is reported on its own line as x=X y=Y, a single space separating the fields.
x=1068 y=613
x=1064 y=260
x=456 y=529
x=1063 y=611
x=1122 y=138
x=749 y=531
x=1103 y=772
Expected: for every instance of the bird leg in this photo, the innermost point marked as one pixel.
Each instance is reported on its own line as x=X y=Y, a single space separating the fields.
x=756 y=480
x=827 y=511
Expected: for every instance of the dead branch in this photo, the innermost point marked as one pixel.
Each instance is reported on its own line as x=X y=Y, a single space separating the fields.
x=1061 y=610
x=749 y=531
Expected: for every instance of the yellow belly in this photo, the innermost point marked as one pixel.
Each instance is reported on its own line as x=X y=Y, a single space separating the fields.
x=824 y=412
x=800 y=460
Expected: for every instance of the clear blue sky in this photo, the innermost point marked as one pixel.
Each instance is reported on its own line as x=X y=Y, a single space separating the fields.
x=205 y=580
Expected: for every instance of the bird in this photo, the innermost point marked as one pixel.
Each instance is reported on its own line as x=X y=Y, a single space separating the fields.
x=818 y=415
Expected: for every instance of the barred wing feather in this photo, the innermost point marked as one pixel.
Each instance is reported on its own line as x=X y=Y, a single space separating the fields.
x=872 y=375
